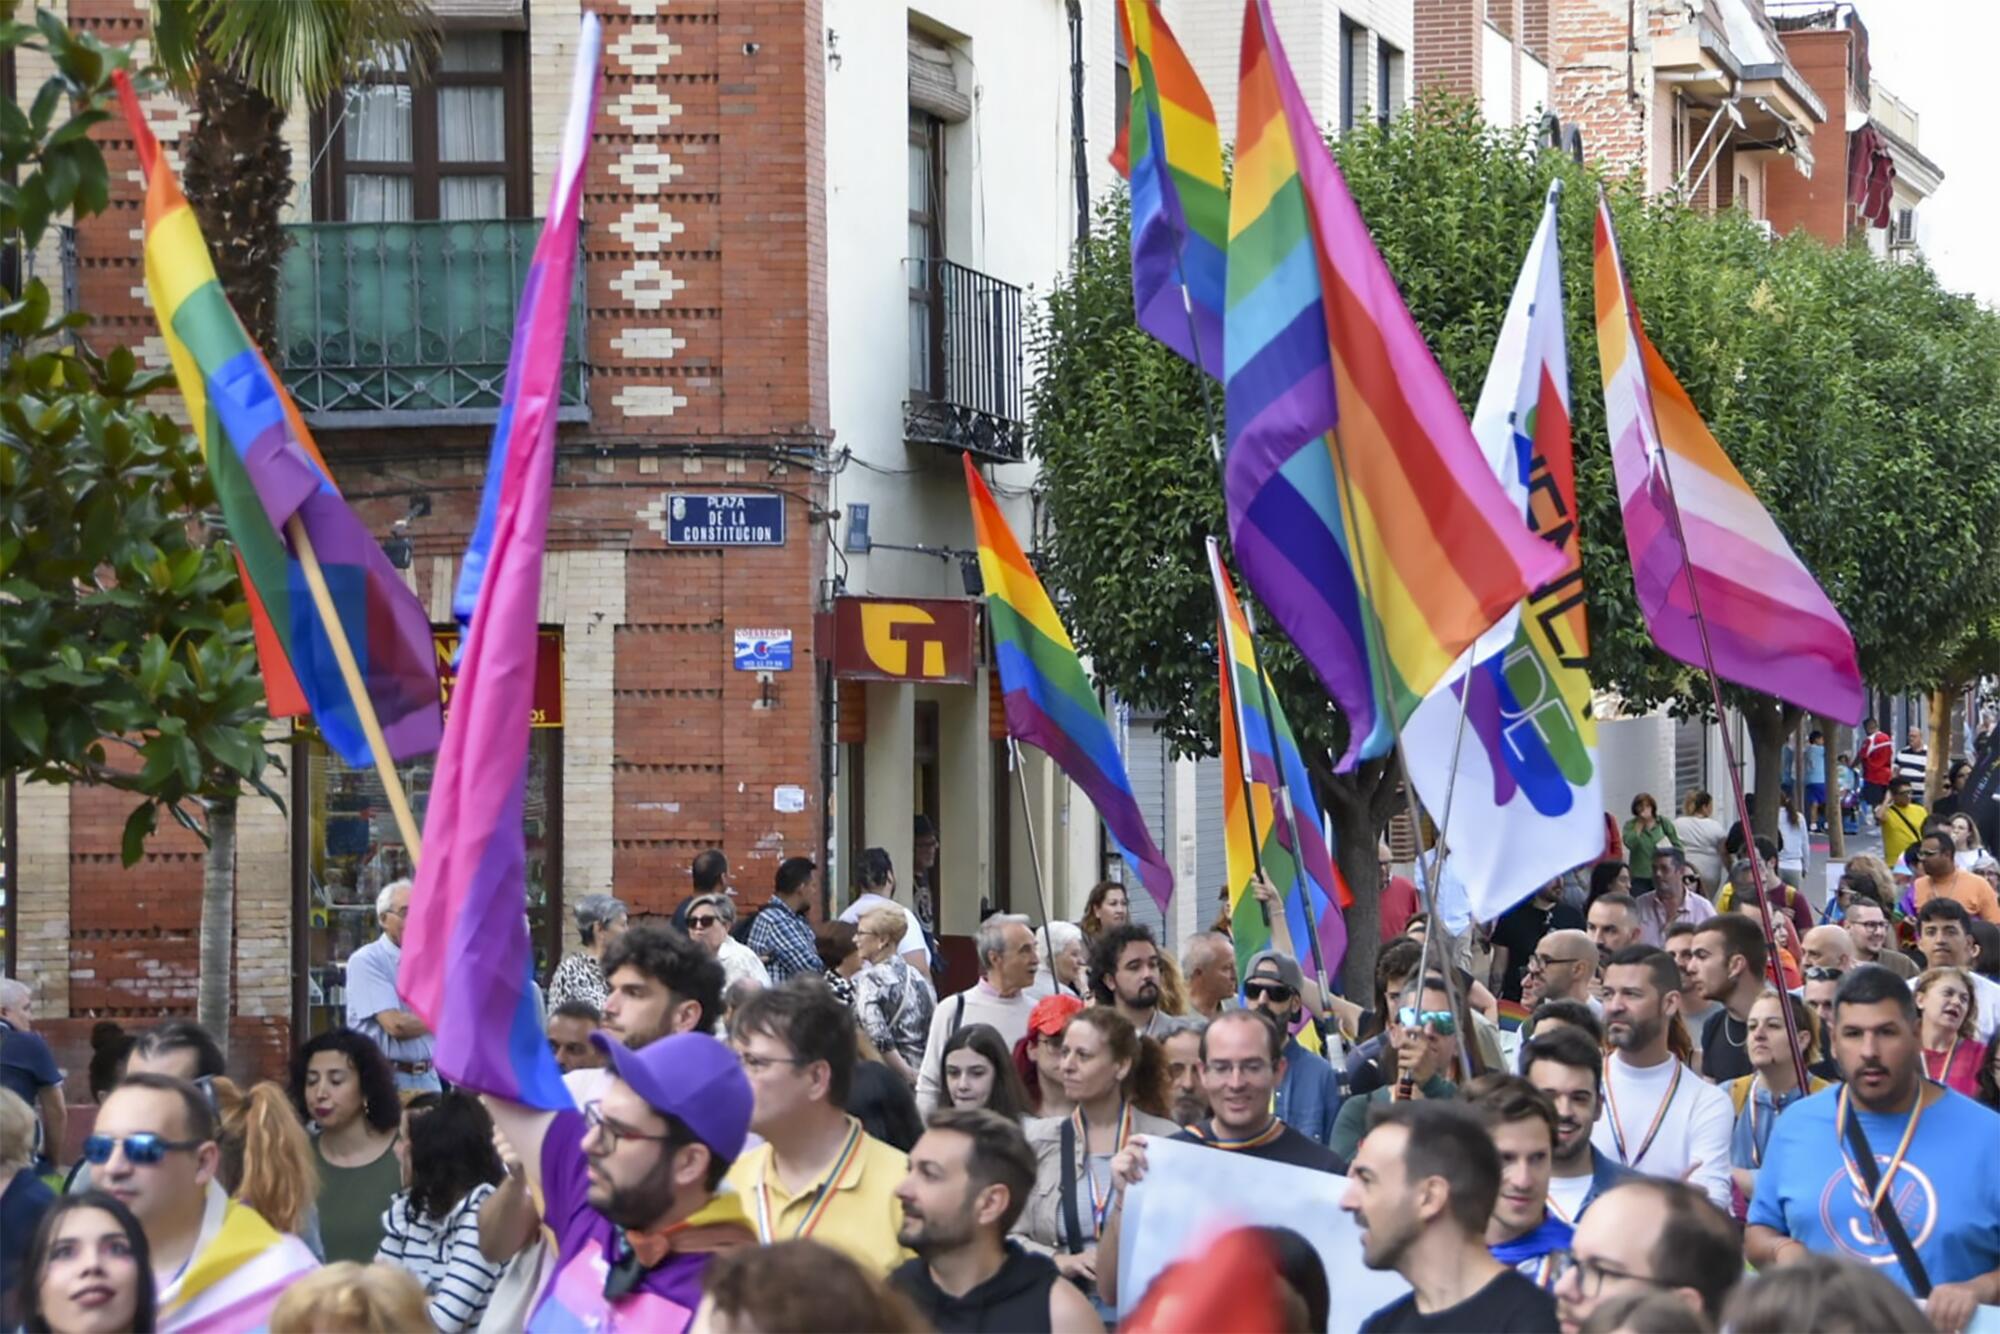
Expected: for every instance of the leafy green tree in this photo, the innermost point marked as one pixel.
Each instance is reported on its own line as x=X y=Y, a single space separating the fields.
x=126 y=656
x=1768 y=339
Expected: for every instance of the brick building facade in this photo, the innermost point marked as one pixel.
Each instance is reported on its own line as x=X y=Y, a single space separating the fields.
x=700 y=370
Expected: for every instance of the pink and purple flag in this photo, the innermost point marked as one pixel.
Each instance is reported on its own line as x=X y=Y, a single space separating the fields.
x=1771 y=627
x=466 y=959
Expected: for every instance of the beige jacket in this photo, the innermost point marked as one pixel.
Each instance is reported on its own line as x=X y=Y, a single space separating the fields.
x=1040 y=1226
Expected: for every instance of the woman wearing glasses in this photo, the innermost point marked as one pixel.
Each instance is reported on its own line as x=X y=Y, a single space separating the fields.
x=709 y=919
x=892 y=1000
x=344 y=1087
x=87 y=1270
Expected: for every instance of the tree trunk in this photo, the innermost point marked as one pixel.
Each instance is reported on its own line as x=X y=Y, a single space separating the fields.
x=1938 y=763
x=1358 y=805
x=238 y=176
x=218 y=920
x=1768 y=722
x=1836 y=831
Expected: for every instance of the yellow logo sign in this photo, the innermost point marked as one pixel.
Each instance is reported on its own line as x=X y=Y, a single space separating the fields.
x=889 y=650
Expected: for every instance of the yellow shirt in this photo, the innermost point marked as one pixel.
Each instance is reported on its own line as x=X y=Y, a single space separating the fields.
x=1897 y=836
x=861 y=1216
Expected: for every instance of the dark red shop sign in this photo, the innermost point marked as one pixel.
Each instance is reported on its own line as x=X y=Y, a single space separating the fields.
x=928 y=640
x=548 y=709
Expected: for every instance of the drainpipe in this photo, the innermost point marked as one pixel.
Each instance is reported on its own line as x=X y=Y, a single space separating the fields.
x=1081 y=165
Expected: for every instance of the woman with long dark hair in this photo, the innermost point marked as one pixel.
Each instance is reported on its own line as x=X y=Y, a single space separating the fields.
x=345 y=1089
x=88 y=1270
x=978 y=1071
x=431 y=1227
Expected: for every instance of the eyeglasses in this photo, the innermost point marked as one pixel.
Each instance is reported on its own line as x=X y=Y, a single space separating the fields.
x=1590 y=1274
x=142 y=1150
x=706 y=920
x=756 y=1064
x=1253 y=1069
x=1814 y=973
x=612 y=1132
x=1541 y=960
x=1441 y=1022
x=1276 y=991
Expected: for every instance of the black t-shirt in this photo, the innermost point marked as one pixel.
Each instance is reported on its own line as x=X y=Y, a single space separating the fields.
x=1290 y=1148
x=1725 y=1053
x=1510 y=1304
x=1521 y=929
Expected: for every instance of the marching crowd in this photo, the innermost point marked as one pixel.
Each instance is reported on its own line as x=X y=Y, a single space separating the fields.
x=1622 y=1107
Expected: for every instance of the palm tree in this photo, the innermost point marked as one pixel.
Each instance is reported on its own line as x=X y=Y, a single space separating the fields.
x=243 y=67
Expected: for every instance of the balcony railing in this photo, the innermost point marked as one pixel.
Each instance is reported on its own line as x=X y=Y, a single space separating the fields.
x=965 y=360
x=410 y=323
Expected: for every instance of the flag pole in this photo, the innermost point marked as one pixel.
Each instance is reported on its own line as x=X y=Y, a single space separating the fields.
x=1034 y=851
x=357 y=689
x=1664 y=470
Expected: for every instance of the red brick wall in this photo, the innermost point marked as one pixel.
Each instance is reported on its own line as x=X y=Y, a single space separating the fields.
x=1448 y=42
x=1590 y=85
x=694 y=762
x=1817 y=205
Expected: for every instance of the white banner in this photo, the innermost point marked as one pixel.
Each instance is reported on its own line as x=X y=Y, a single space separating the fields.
x=1191 y=1193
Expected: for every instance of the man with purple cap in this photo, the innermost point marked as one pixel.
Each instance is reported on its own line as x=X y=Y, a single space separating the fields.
x=630 y=1185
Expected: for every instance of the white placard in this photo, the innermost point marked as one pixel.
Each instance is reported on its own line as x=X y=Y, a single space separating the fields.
x=788 y=799
x=1191 y=1193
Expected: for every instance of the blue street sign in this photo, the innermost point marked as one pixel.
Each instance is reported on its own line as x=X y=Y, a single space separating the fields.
x=763 y=650
x=719 y=520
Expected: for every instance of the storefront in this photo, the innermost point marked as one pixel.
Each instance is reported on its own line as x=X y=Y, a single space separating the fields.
x=346 y=847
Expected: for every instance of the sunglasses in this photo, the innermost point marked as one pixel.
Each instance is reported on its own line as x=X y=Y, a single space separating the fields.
x=1817 y=974
x=706 y=920
x=143 y=1149
x=1441 y=1022
x=1276 y=991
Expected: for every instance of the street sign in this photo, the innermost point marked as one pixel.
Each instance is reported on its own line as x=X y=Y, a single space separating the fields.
x=763 y=650
x=725 y=520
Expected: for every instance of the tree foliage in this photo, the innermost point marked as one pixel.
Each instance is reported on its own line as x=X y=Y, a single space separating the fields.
x=126 y=656
x=1856 y=397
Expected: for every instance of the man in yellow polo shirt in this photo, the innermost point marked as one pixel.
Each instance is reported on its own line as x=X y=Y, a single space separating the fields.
x=1902 y=821
x=817 y=1174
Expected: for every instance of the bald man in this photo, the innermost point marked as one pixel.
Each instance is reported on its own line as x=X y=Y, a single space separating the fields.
x=1563 y=964
x=1830 y=947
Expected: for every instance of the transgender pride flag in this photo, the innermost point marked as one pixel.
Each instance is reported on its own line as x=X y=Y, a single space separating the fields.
x=1526 y=804
x=466 y=960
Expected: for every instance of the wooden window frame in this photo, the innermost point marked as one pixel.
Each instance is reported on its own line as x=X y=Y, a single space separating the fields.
x=424 y=168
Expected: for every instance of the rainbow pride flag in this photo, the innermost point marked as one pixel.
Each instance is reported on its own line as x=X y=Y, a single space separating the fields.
x=466 y=960
x=1259 y=743
x=1049 y=701
x=1317 y=340
x=1521 y=779
x=1771 y=627
x=267 y=471
x=1180 y=204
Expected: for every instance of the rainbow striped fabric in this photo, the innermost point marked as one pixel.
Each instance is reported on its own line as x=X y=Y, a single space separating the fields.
x=466 y=963
x=1180 y=203
x=1520 y=780
x=1317 y=339
x=1049 y=701
x=267 y=471
x=1294 y=851
x=1770 y=625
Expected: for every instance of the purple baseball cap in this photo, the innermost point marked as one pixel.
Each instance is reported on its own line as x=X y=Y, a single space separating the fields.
x=692 y=1077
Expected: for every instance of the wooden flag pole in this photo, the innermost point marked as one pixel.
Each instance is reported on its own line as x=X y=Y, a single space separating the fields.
x=357 y=689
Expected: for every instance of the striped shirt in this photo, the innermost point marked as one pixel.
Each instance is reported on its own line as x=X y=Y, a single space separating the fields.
x=444 y=1256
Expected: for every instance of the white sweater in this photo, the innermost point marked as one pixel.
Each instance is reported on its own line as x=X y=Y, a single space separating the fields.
x=982 y=1005
x=1695 y=1129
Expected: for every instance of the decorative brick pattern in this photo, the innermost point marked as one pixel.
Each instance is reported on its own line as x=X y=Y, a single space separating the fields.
x=646 y=228
x=646 y=171
x=645 y=110
x=643 y=49
x=646 y=285
x=648 y=344
x=42 y=912
x=649 y=401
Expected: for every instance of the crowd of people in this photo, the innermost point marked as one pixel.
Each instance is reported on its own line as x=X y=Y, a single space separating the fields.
x=1590 y=1116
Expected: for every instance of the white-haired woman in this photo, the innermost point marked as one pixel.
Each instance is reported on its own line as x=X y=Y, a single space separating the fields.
x=893 y=1002
x=709 y=919
x=1063 y=970
x=600 y=919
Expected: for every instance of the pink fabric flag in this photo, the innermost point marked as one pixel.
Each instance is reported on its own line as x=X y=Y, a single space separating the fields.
x=466 y=958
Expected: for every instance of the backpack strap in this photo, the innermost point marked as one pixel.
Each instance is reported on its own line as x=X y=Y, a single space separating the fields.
x=1071 y=1222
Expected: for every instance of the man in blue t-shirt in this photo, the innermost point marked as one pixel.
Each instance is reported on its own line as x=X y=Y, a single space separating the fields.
x=27 y=1066
x=1939 y=1150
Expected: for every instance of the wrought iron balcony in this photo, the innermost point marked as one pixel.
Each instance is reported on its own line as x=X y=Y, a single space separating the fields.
x=410 y=323
x=965 y=361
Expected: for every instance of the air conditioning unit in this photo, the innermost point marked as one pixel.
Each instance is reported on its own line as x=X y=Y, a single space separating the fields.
x=1764 y=225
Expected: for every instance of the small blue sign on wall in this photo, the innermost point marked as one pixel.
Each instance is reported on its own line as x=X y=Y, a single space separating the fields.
x=763 y=650
x=725 y=520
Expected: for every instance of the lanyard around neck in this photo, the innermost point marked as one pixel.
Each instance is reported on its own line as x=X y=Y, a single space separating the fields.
x=1652 y=1131
x=822 y=1198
